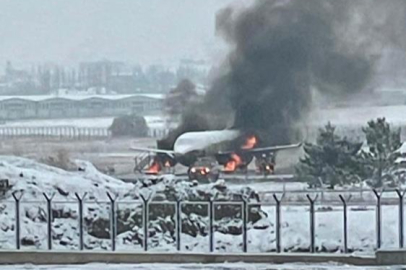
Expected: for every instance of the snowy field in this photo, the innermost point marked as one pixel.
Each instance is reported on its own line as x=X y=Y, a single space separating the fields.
x=103 y=154
x=271 y=186
x=295 y=231
x=359 y=115
x=97 y=122
x=78 y=122
x=225 y=266
x=35 y=178
x=349 y=121
x=338 y=116
x=78 y=128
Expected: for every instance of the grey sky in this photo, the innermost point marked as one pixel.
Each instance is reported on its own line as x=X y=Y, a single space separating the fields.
x=146 y=31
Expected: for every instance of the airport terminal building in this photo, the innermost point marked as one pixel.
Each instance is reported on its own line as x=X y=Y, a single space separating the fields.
x=78 y=106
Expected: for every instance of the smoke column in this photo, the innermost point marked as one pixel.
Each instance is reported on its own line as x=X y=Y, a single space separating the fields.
x=281 y=52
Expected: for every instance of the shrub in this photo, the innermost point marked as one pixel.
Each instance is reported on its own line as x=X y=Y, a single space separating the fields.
x=129 y=125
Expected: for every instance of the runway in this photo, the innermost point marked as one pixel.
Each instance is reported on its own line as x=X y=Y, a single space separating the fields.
x=230 y=178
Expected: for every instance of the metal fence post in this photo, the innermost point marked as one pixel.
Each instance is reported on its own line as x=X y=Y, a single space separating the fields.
x=112 y=220
x=278 y=221
x=17 y=198
x=362 y=193
x=145 y=221
x=345 y=222
x=244 y=224
x=178 y=223
x=401 y=195
x=80 y=201
x=312 y=222
x=49 y=219
x=211 y=224
x=378 y=217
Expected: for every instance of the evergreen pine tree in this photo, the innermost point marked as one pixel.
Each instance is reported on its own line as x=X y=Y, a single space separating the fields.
x=331 y=161
x=380 y=156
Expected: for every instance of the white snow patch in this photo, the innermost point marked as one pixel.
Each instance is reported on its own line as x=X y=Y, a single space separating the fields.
x=35 y=178
x=359 y=115
x=96 y=122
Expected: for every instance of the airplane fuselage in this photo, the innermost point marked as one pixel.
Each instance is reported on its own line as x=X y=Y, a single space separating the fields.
x=202 y=140
x=192 y=145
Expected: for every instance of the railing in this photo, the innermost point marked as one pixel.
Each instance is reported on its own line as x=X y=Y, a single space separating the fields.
x=60 y=132
x=158 y=133
x=67 y=132
x=245 y=207
x=360 y=195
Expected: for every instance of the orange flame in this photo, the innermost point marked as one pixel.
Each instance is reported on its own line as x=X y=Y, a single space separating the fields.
x=154 y=168
x=233 y=163
x=230 y=166
x=250 y=143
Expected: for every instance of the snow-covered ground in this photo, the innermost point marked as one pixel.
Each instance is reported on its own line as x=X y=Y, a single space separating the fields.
x=359 y=115
x=337 y=116
x=76 y=127
x=225 y=266
x=271 y=186
x=34 y=178
x=349 y=120
x=102 y=122
x=96 y=122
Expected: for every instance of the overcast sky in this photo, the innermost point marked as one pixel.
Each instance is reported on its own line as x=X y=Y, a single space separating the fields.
x=144 y=31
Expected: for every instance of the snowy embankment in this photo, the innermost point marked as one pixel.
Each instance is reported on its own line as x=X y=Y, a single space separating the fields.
x=33 y=179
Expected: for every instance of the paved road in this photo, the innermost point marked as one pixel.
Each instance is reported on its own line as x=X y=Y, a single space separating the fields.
x=232 y=178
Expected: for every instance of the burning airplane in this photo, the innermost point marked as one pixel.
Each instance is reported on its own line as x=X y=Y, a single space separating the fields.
x=283 y=54
x=232 y=149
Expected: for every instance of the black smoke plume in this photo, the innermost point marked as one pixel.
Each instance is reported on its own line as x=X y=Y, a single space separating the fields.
x=281 y=52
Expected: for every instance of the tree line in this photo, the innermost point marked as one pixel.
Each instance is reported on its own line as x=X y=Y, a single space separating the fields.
x=335 y=160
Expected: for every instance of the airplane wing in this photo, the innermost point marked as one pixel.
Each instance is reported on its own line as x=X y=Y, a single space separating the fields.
x=154 y=150
x=273 y=148
x=265 y=149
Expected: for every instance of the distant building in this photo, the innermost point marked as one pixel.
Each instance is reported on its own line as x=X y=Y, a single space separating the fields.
x=97 y=74
x=13 y=74
x=77 y=106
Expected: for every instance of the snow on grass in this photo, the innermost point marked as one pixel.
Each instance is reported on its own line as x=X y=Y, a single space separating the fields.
x=95 y=122
x=295 y=232
x=359 y=115
x=103 y=122
x=34 y=178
